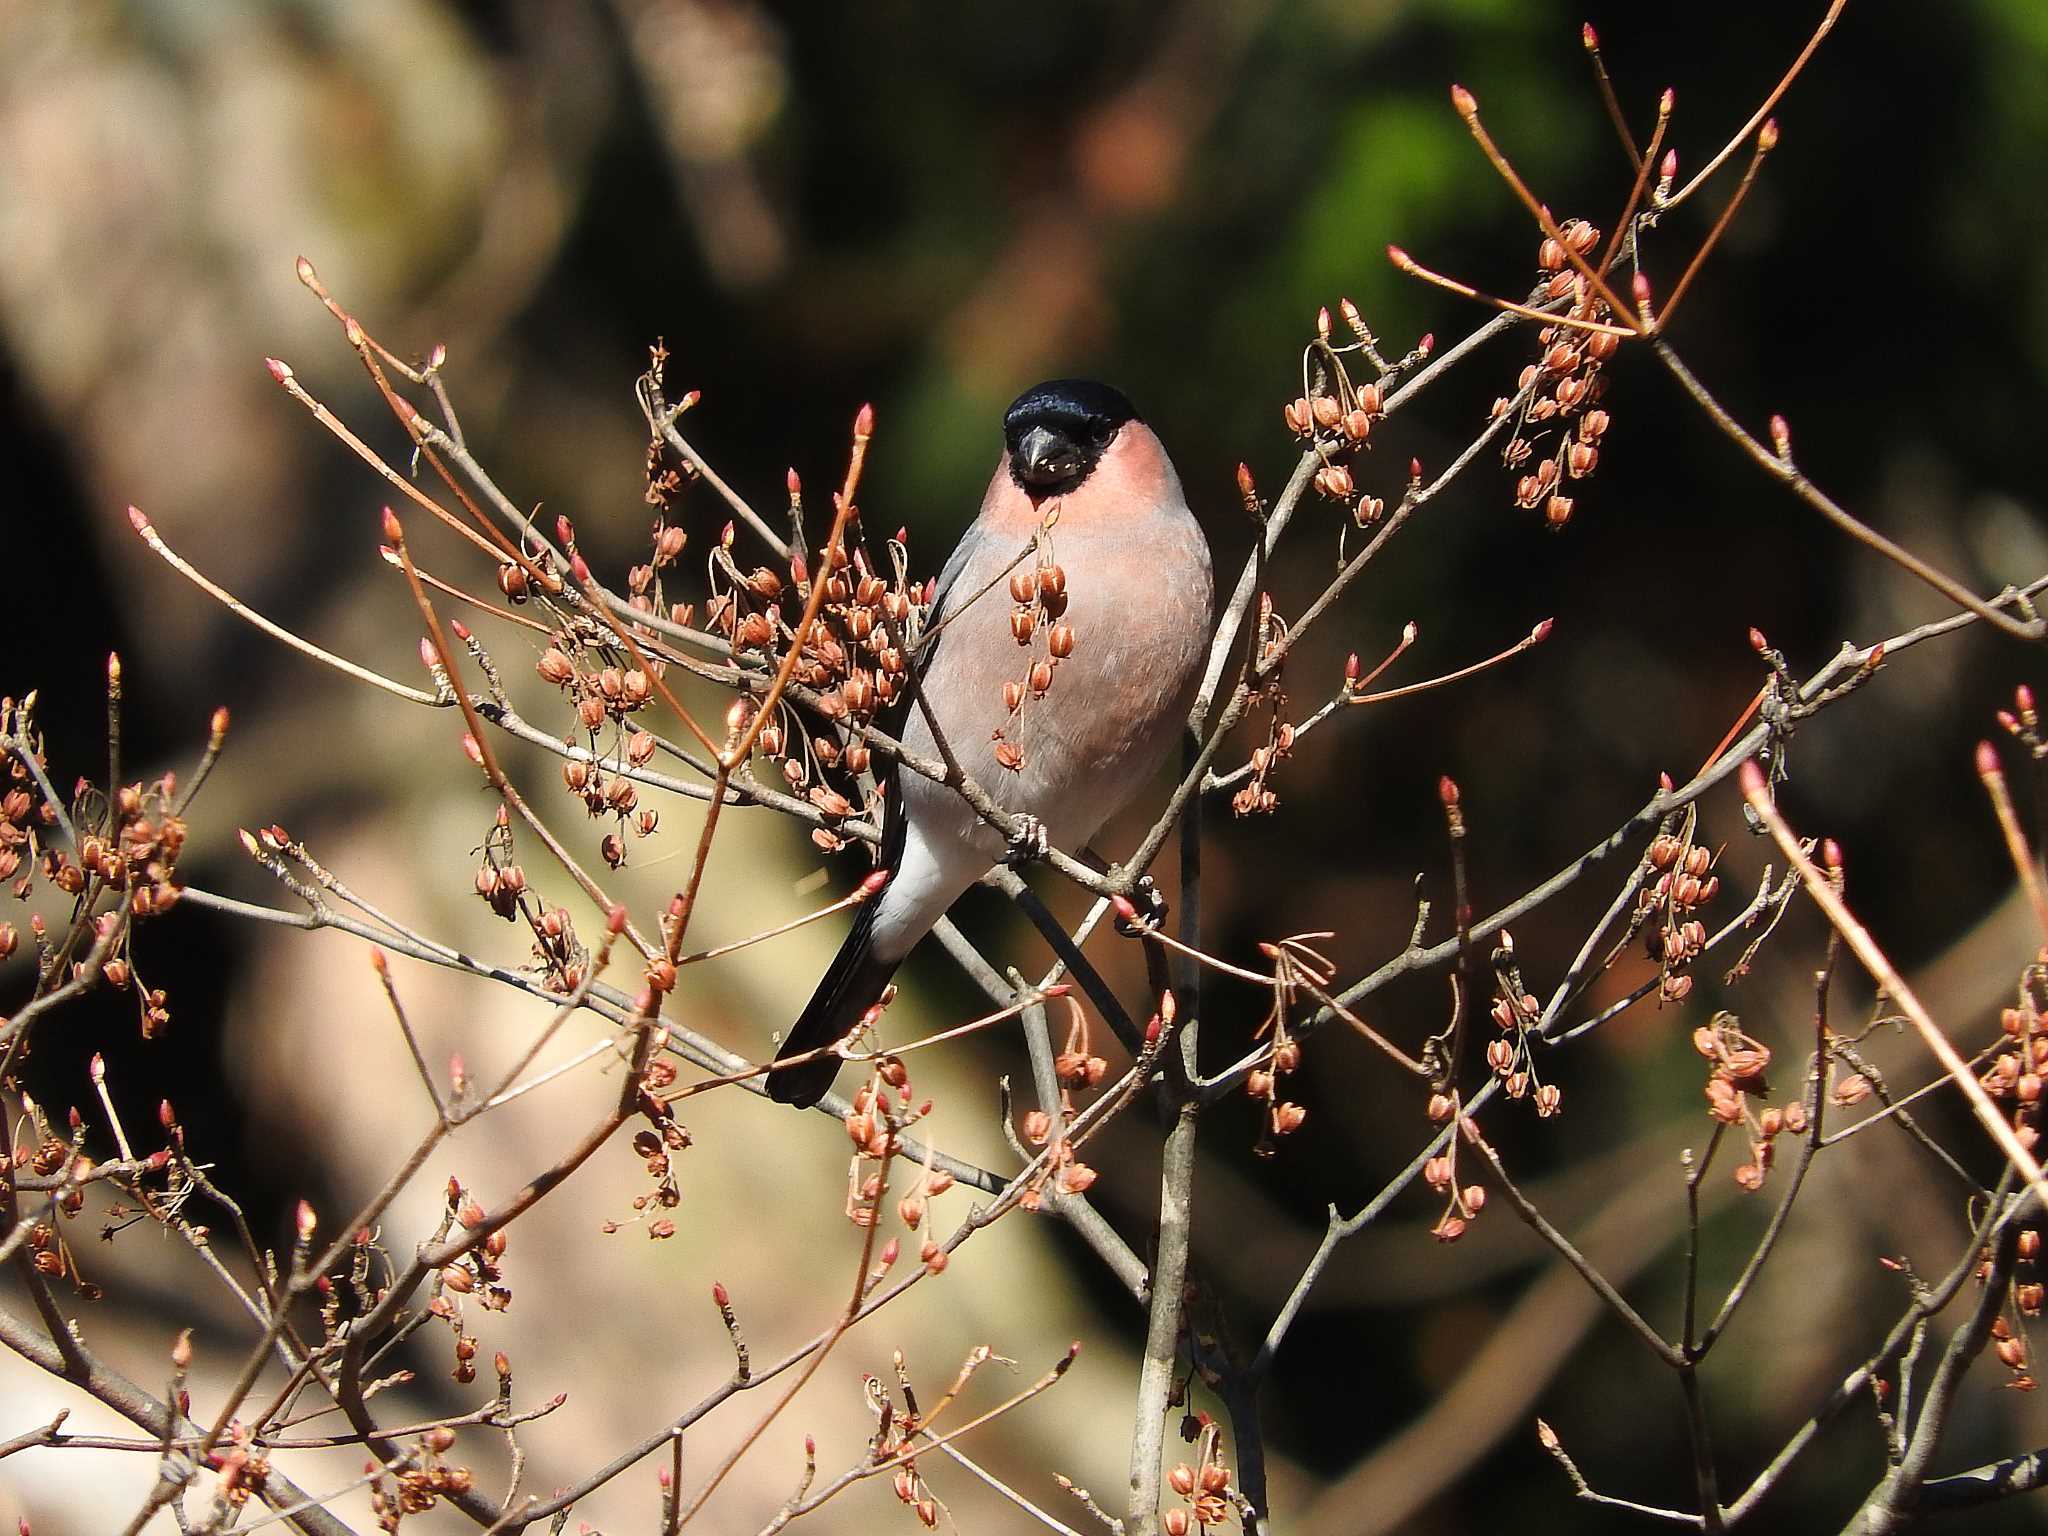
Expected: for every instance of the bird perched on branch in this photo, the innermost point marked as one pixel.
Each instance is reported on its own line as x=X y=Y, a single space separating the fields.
x=1068 y=636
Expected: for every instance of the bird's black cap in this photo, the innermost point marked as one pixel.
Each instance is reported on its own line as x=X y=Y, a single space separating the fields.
x=1080 y=408
x=1057 y=430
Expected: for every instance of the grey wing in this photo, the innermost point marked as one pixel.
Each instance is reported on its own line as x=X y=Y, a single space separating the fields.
x=957 y=585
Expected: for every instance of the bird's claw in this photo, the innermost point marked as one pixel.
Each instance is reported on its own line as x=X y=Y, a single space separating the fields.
x=1029 y=842
x=1151 y=909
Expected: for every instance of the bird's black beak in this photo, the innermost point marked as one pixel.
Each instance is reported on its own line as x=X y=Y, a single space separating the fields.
x=1044 y=460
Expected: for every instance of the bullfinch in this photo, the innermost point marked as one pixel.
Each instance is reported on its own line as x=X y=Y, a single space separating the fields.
x=1085 y=573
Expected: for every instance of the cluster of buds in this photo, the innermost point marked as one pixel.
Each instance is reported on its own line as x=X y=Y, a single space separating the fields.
x=851 y=657
x=501 y=888
x=1078 y=1069
x=2025 y=1297
x=2019 y=1067
x=478 y=1273
x=882 y=1110
x=603 y=697
x=1282 y=1117
x=1206 y=1490
x=643 y=581
x=140 y=852
x=1255 y=796
x=912 y=1490
x=1073 y=1176
x=23 y=813
x=1338 y=424
x=913 y=1207
x=2023 y=722
x=2010 y=1344
x=853 y=662
x=1038 y=606
x=558 y=953
x=607 y=693
x=364 y=1256
x=1666 y=908
x=414 y=1489
x=239 y=1469
x=1560 y=423
x=657 y=1149
x=1462 y=1204
x=127 y=849
x=1735 y=1090
x=802 y=757
x=899 y=1428
x=1509 y=1056
x=665 y=481
x=46 y=1250
x=132 y=847
x=657 y=1143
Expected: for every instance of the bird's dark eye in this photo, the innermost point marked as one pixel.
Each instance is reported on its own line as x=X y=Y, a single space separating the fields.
x=1100 y=430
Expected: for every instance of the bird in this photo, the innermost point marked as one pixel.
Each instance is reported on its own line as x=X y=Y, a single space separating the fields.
x=1084 y=544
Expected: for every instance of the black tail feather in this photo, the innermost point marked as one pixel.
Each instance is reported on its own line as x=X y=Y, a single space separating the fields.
x=852 y=986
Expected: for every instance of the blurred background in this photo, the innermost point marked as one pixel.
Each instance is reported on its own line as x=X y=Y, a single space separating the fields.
x=931 y=208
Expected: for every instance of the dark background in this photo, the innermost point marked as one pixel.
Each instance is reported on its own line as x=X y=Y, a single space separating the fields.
x=931 y=208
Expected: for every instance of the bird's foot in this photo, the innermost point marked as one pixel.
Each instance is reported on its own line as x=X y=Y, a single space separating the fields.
x=1029 y=842
x=1151 y=909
